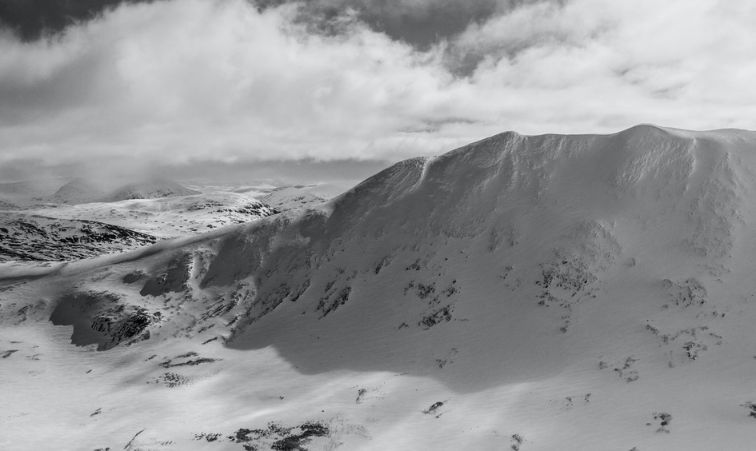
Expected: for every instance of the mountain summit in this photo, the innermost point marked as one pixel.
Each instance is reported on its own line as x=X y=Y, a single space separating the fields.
x=523 y=292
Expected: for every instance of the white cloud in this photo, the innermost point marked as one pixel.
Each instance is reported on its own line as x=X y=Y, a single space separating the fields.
x=196 y=79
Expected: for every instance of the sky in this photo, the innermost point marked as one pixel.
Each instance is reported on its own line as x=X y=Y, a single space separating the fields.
x=161 y=85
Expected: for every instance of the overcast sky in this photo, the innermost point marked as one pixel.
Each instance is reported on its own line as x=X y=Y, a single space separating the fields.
x=234 y=82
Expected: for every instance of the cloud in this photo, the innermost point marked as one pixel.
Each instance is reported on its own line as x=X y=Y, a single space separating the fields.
x=177 y=82
x=195 y=78
x=420 y=23
x=32 y=19
x=680 y=63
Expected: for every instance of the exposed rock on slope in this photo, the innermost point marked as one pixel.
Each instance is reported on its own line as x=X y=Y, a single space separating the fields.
x=38 y=238
x=170 y=217
x=99 y=318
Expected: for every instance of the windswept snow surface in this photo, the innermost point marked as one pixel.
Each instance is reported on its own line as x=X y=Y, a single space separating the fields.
x=169 y=217
x=206 y=208
x=589 y=292
x=290 y=197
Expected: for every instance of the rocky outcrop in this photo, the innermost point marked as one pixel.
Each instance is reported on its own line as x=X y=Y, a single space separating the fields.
x=40 y=238
x=172 y=279
x=102 y=319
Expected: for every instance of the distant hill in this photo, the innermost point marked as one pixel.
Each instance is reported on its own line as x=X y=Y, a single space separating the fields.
x=292 y=197
x=25 y=192
x=7 y=205
x=151 y=189
x=77 y=191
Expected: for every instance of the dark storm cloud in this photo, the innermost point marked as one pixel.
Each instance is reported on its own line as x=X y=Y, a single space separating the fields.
x=32 y=19
x=420 y=23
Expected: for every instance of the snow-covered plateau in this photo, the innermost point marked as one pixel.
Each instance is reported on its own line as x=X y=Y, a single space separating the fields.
x=554 y=292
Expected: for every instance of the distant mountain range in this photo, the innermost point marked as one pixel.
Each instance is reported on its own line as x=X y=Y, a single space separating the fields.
x=80 y=190
x=152 y=189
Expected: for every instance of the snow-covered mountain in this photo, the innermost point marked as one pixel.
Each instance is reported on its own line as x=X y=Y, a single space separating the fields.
x=28 y=192
x=77 y=191
x=294 y=197
x=149 y=189
x=586 y=292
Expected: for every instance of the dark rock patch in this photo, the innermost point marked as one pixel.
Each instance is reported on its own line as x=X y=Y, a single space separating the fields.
x=173 y=279
x=195 y=362
x=433 y=408
x=328 y=305
x=171 y=379
x=443 y=314
x=119 y=326
x=274 y=436
x=134 y=276
x=664 y=420
x=517 y=441
x=751 y=409
x=99 y=318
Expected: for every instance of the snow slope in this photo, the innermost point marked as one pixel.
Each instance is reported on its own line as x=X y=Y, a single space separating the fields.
x=169 y=217
x=587 y=292
x=291 y=197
